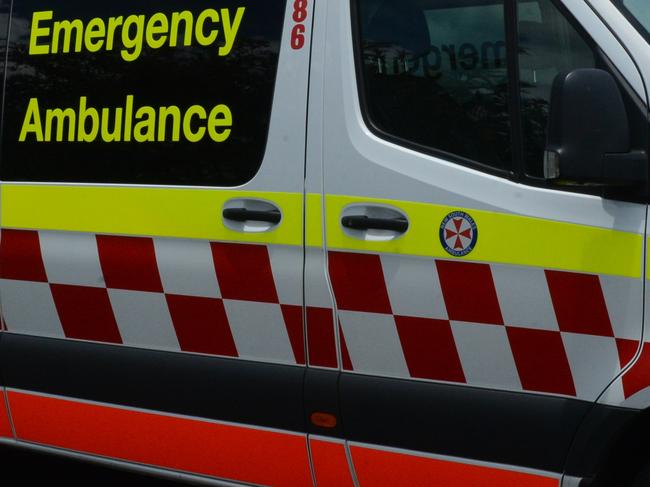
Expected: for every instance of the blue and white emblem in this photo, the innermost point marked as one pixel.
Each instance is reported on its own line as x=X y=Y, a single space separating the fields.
x=458 y=233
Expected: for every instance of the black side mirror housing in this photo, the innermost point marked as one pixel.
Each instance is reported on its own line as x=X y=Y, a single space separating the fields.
x=589 y=135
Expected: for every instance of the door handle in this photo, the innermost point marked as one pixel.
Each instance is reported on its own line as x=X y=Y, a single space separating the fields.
x=251 y=215
x=246 y=215
x=364 y=222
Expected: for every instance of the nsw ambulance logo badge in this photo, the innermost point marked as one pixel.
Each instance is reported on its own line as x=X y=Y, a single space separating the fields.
x=458 y=233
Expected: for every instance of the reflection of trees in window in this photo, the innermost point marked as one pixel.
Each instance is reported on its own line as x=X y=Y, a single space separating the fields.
x=451 y=96
x=534 y=117
x=464 y=112
x=548 y=45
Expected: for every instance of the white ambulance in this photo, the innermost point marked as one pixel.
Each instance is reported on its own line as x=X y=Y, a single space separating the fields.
x=328 y=242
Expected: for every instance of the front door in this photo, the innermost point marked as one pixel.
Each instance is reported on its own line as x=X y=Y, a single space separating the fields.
x=481 y=309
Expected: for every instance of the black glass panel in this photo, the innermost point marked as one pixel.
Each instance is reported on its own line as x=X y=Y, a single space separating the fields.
x=548 y=45
x=148 y=92
x=435 y=74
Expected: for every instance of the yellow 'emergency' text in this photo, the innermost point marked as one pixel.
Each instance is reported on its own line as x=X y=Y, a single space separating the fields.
x=131 y=33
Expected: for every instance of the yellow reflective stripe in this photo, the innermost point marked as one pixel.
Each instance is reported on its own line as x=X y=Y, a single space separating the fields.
x=314 y=220
x=196 y=213
x=647 y=264
x=502 y=238
x=162 y=212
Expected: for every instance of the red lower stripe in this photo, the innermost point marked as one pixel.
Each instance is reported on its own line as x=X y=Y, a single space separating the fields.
x=330 y=464
x=229 y=452
x=381 y=468
x=5 y=426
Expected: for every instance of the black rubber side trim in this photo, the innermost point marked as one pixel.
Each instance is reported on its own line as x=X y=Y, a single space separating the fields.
x=321 y=396
x=194 y=385
x=2 y=335
x=519 y=429
x=526 y=430
x=610 y=445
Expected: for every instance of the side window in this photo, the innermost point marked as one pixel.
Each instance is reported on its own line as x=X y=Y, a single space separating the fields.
x=638 y=13
x=161 y=92
x=5 y=9
x=435 y=75
x=548 y=45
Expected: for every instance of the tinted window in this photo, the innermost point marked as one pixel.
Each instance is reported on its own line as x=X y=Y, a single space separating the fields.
x=638 y=12
x=148 y=92
x=5 y=6
x=548 y=45
x=435 y=75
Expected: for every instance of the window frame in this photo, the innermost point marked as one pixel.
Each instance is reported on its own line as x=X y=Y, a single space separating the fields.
x=516 y=173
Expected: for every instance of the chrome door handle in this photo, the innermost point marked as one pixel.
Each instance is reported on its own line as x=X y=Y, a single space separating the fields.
x=244 y=215
x=380 y=223
x=364 y=222
x=251 y=215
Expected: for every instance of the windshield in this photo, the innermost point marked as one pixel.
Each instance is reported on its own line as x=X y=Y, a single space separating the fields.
x=638 y=12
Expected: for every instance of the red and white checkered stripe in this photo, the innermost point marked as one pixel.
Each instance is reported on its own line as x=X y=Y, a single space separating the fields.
x=507 y=327
x=636 y=379
x=228 y=299
x=498 y=326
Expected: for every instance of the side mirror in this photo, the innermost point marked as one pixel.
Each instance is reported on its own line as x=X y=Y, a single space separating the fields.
x=589 y=134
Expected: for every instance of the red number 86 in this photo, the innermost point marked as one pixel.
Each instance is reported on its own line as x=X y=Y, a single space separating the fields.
x=298 y=31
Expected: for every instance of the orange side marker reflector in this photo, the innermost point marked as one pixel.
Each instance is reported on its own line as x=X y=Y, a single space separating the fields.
x=323 y=420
